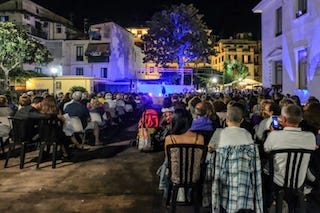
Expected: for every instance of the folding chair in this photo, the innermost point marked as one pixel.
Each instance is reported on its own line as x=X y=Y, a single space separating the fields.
x=186 y=164
x=22 y=137
x=294 y=180
x=49 y=132
x=78 y=128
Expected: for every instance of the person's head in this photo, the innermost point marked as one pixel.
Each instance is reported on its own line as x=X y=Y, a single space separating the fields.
x=201 y=109
x=271 y=108
x=77 y=95
x=94 y=103
x=3 y=100
x=296 y=99
x=234 y=116
x=181 y=121
x=291 y=115
x=49 y=105
x=310 y=101
x=312 y=115
x=285 y=102
x=24 y=100
x=37 y=102
x=166 y=102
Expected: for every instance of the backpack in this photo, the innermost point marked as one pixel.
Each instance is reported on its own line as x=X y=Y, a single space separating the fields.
x=149 y=119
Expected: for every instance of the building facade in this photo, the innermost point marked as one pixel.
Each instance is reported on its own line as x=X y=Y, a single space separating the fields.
x=290 y=46
x=108 y=51
x=241 y=48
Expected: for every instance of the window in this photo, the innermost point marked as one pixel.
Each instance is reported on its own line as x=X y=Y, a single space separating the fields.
x=278 y=72
x=79 y=53
x=302 y=6
x=104 y=72
x=249 y=58
x=279 y=21
x=58 y=85
x=58 y=28
x=4 y=18
x=38 y=69
x=302 y=69
x=79 y=71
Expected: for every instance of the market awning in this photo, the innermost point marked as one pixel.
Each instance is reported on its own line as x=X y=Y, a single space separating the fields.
x=98 y=49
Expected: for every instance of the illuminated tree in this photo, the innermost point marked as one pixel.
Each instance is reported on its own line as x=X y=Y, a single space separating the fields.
x=177 y=35
x=18 y=47
x=234 y=70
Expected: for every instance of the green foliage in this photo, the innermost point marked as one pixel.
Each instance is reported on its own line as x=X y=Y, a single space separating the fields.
x=77 y=88
x=234 y=70
x=177 y=35
x=18 y=47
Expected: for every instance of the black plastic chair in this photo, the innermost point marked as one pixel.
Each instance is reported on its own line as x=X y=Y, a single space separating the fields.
x=186 y=168
x=294 y=180
x=50 y=133
x=22 y=137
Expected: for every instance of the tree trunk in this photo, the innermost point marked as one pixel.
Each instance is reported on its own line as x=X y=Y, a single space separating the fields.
x=6 y=80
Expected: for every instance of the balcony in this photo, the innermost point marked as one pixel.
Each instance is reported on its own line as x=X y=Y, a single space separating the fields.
x=38 y=33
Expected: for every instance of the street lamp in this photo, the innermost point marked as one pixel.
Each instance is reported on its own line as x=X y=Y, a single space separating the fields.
x=54 y=72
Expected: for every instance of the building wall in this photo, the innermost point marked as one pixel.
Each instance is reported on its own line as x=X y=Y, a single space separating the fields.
x=241 y=48
x=297 y=33
x=66 y=82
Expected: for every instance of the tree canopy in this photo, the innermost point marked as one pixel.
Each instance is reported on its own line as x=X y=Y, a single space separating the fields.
x=234 y=70
x=19 y=47
x=177 y=35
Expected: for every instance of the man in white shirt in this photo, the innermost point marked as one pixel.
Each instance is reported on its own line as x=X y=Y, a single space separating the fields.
x=233 y=134
x=291 y=137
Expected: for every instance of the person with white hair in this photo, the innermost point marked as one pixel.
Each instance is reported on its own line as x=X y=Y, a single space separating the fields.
x=76 y=108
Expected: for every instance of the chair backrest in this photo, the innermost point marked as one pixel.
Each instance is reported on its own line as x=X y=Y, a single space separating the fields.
x=294 y=174
x=95 y=116
x=185 y=162
x=5 y=120
x=22 y=130
x=76 y=124
x=49 y=129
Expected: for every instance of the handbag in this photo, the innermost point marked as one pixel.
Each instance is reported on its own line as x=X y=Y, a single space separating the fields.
x=145 y=139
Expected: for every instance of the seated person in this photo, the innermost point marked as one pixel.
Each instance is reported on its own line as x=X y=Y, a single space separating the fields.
x=75 y=108
x=236 y=160
x=291 y=137
x=179 y=133
x=5 y=111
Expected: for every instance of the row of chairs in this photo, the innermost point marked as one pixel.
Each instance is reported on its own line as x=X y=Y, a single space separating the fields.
x=190 y=162
x=48 y=133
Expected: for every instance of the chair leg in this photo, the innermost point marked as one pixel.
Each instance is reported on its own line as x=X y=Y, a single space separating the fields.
x=42 y=145
x=11 y=147
x=174 y=199
x=54 y=155
x=22 y=154
x=196 y=198
x=279 y=201
x=2 y=144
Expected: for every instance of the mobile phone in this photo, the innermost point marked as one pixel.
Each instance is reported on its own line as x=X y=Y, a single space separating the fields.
x=275 y=124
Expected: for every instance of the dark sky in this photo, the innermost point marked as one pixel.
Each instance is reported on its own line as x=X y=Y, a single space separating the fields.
x=225 y=17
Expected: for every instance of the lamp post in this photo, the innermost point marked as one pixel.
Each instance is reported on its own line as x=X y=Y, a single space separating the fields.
x=54 y=72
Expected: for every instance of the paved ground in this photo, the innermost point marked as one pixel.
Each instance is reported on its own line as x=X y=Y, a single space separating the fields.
x=112 y=178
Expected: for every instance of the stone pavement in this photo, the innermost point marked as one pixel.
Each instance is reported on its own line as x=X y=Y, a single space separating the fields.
x=111 y=178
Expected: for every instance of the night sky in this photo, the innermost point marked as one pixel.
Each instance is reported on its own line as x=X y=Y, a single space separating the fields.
x=225 y=17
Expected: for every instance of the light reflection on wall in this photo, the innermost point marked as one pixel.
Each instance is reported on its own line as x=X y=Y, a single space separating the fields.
x=303 y=95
